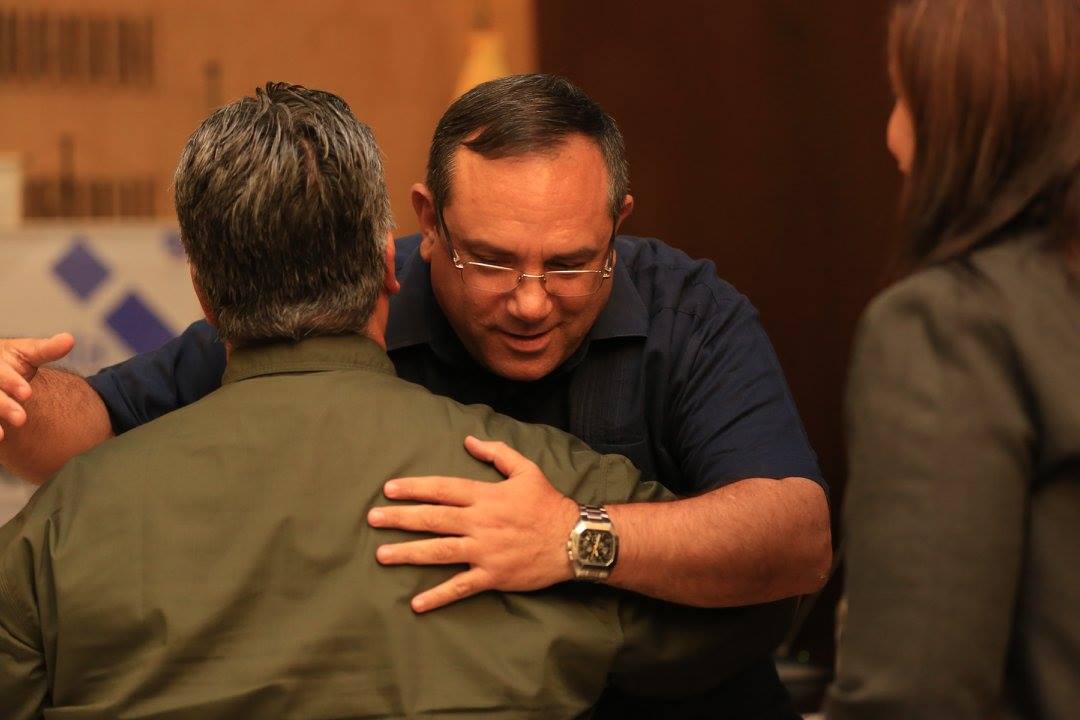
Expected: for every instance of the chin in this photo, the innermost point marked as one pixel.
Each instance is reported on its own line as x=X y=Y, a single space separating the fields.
x=522 y=370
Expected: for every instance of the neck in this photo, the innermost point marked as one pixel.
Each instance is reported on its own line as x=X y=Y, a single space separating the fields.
x=376 y=327
x=378 y=334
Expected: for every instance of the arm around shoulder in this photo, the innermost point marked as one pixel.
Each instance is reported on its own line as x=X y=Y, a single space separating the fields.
x=66 y=414
x=752 y=541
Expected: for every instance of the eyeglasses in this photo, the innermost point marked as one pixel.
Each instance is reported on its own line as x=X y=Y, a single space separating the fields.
x=498 y=279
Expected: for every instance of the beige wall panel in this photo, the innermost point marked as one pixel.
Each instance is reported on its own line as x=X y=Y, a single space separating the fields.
x=395 y=61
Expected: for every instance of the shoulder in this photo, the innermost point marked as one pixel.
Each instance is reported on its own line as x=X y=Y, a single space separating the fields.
x=667 y=279
x=910 y=336
x=457 y=420
x=964 y=329
x=990 y=294
x=568 y=462
x=936 y=302
x=929 y=295
x=1019 y=259
x=110 y=477
x=39 y=522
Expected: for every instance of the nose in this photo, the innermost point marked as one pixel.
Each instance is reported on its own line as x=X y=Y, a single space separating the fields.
x=529 y=302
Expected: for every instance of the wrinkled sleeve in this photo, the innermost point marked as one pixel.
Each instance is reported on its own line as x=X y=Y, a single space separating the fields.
x=149 y=385
x=22 y=659
x=940 y=449
x=734 y=416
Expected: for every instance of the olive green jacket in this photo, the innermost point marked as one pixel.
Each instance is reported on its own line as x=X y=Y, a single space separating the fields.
x=962 y=515
x=217 y=563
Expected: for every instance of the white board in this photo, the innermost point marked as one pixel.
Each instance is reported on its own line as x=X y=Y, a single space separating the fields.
x=118 y=288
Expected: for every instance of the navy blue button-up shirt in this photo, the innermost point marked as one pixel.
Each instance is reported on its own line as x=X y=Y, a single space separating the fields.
x=677 y=373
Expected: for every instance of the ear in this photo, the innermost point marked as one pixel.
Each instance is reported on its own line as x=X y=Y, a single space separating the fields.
x=207 y=310
x=390 y=282
x=627 y=209
x=424 y=205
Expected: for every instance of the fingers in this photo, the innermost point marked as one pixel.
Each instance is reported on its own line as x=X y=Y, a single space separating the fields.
x=11 y=413
x=434 y=489
x=12 y=383
x=25 y=355
x=435 y=519
x=506 y=459
x=459 y=587
x=21 y=357
x=435 y=551
x=19 y=361
x=14 y=390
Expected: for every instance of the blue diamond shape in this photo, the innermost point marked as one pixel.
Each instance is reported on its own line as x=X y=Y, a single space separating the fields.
x=138 y=326
x=81 y=270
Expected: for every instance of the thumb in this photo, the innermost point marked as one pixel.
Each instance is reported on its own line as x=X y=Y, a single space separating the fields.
x=506 y=459
x=37 y=352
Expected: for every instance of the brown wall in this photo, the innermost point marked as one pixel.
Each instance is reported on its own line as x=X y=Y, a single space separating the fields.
x=396 y=63
x=755 y=133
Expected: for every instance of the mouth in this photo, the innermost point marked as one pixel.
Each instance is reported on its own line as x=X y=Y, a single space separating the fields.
x=526 y=342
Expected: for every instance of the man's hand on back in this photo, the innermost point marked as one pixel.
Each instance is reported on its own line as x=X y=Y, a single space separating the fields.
x=752 y=541
x=19 y=362
x=512 y=534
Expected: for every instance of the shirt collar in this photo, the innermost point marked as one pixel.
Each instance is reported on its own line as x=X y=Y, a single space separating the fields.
x=417 y=319
x=624 y=315
x=414 y=307
x=340 y=352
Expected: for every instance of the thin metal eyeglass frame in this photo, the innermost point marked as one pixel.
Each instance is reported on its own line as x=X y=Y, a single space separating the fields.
x=457 y=262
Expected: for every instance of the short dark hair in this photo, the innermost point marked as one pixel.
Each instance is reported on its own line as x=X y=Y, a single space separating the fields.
x=518 y=115
x=994 y=92
x=284 y=214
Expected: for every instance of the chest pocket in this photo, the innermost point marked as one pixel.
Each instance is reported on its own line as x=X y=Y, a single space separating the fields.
x=607 y=401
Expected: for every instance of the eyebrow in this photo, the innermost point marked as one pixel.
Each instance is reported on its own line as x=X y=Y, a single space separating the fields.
x=479 y=246
x=574 y=257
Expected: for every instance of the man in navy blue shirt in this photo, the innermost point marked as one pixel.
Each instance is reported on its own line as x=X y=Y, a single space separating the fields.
x=518 y=293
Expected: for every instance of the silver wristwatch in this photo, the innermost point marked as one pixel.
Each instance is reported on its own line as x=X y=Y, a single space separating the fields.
x=593 y=546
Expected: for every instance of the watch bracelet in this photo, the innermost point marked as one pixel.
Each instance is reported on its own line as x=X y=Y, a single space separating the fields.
x=589 y=513
x=594 y=513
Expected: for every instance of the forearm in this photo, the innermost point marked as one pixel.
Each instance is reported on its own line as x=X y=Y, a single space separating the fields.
x=750 y=542
x=64 y=418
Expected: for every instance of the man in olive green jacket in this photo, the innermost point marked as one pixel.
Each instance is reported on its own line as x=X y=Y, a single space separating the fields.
x=217 y=562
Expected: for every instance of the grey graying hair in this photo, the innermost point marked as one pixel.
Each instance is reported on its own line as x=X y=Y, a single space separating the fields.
x=284 y=214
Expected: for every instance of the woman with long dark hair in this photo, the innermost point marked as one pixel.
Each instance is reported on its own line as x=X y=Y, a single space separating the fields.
x=962 y=516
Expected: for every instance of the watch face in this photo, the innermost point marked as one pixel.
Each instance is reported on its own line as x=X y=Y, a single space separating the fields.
x=596 y=547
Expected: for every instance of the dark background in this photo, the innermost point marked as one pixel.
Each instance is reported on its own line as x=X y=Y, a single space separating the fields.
x=755 y=133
